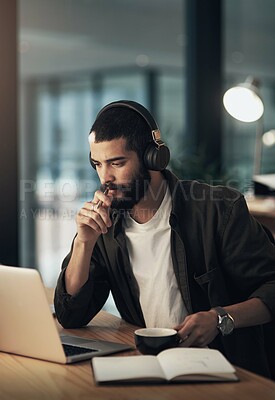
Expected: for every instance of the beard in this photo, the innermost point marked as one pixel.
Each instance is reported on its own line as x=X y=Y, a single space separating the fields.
x=133 y=192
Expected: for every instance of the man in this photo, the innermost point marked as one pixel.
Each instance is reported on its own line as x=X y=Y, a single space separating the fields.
x=174 y=253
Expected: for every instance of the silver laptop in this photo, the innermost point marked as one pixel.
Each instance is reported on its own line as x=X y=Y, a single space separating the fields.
x=27 y=326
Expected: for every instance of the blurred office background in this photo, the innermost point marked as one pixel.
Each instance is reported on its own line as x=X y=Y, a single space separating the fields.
x=177 y=57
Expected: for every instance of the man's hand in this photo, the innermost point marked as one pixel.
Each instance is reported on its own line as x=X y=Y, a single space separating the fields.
x=198 y=329
x=201 y=328
x=93 y=218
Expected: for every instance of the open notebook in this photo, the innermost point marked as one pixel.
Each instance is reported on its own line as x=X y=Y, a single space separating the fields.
x=169 y=366
x=27 y=326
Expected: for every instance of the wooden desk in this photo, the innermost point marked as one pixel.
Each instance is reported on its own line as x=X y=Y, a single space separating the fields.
x=263 y=209
x=29 y=379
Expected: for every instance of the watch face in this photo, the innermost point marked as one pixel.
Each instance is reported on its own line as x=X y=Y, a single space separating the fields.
x=226 y=325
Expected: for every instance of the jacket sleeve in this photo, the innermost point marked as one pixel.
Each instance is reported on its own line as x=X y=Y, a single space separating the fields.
x=248 y=255
x=78 y=310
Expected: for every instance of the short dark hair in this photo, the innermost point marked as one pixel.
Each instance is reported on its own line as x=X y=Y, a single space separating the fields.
x=122 y=122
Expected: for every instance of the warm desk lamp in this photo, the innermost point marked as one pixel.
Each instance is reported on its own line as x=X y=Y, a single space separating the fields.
x=244 y=103
x=269 y=138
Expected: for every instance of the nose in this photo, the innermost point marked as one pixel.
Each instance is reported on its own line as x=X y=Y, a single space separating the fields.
x=105 y=175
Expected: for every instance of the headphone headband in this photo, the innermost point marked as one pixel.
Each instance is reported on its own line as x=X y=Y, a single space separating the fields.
x=133 y=105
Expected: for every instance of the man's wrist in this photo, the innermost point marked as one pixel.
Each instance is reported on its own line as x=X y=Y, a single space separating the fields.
x=84 y=245
x=225 y=321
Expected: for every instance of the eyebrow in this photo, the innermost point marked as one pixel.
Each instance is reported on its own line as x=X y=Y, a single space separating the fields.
x=111 y=159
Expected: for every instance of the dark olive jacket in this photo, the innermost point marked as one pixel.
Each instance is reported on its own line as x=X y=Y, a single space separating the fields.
x=221 y=256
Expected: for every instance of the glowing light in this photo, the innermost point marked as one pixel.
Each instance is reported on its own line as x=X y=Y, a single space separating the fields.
x=243 y=104
x=269 y=138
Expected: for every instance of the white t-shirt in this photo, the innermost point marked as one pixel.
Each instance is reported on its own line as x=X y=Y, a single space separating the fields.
x=149 y=247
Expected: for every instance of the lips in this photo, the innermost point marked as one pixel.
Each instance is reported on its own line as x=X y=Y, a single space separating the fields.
x=112 y=192
x=118 y=189
x=117 y=194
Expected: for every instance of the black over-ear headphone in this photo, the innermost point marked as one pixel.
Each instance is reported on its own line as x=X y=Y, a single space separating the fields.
x=157 y=155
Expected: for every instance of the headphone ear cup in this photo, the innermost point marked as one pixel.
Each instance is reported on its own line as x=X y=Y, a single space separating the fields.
x=91 y=162
x=156 y=158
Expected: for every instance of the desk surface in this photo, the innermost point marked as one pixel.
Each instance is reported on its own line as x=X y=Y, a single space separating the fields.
x=263 y=209
x=26 y=378
x=261 y=205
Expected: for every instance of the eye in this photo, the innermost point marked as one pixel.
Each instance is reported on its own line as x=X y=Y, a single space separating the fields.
x=118 y=164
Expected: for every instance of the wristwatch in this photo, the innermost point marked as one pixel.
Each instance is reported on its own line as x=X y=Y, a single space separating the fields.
x=226 y=323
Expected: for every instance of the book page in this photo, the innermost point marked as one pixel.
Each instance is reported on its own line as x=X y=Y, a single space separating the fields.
x=193 y=361
x=111 y=369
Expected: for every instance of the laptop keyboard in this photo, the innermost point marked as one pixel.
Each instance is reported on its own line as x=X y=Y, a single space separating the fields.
x=74 y=350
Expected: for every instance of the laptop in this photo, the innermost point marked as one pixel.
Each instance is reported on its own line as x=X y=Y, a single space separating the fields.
x=28 y=328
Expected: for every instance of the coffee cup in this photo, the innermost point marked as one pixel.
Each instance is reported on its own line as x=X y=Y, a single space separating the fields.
x=154 y=340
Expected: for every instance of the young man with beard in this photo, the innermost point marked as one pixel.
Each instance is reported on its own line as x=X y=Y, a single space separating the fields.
x=173 y=253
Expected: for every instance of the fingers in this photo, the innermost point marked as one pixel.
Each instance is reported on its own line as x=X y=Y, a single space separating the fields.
x=94 y=216
x=185 y=334
x=194 y=340
x=197 y=329
x=101 y=199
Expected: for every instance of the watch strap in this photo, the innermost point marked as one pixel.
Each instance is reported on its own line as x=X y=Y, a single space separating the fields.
x=220 y=311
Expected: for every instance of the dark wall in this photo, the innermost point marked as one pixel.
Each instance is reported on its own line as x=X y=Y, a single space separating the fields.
x=8 y=135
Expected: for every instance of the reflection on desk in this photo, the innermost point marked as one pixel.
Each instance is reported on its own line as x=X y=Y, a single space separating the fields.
x=26 y=378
